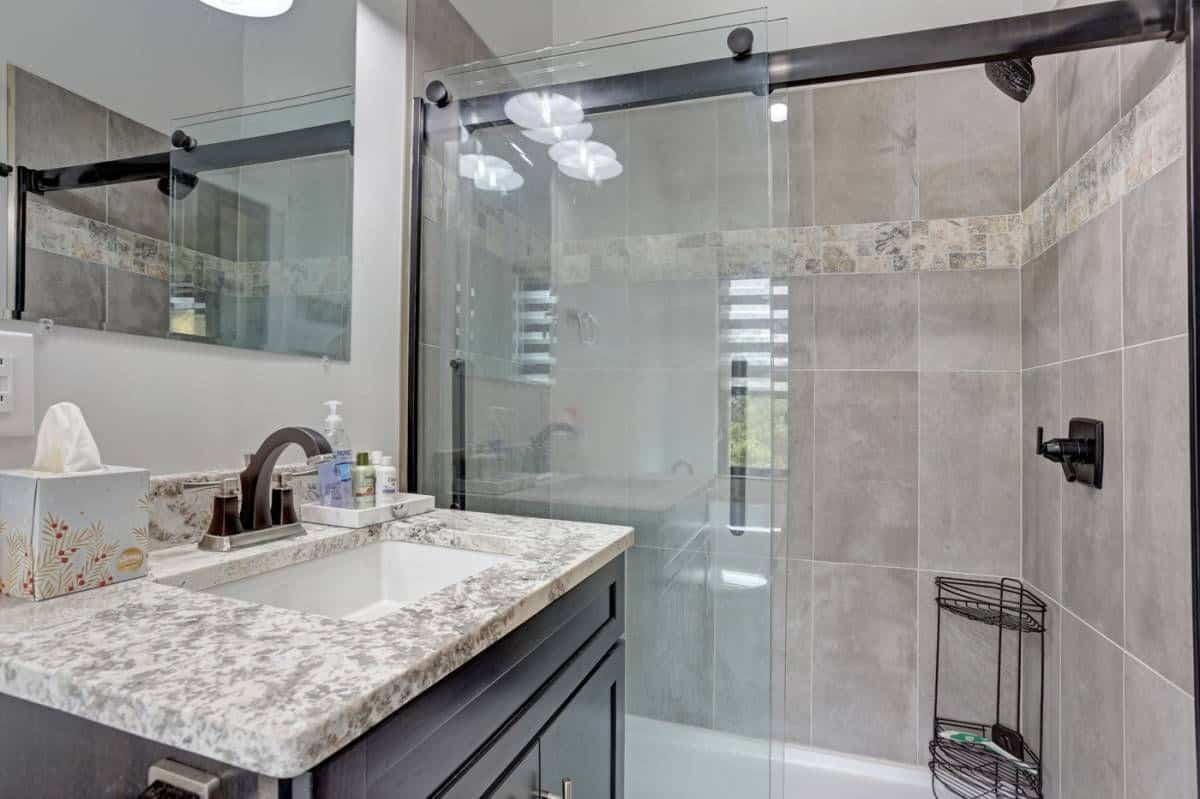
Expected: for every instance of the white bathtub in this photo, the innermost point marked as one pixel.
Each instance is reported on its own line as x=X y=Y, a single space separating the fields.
x=672 y=760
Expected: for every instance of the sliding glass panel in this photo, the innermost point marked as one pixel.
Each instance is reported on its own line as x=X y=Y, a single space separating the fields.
x=596 y=276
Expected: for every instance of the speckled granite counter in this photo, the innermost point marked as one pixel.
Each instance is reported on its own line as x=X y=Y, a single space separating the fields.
x=275 y=691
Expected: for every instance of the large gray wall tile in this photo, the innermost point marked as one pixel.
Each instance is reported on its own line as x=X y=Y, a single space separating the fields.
x=798 y=643
x=53 y=127
x=1088 y=89
x=1039 y=133
x=801 y=466
x=669 y=192
x=801 y=319
x=139 y=207
x=1154 y=220
x=1039 y=310
x=67 y=290
x=670 y=633
x=1160 y=735
x=1158 y=610
x=865 y=151
x=1143 y=66
x=969 y=142
x=1092 y=547
x=1089 y=286
x=970 y=320
x=137 y=304
x=866 y=321
x=583 y=210
x=866 y=467
x=800 y=160
x=1092 y=718
x=744 y=172
x=865 y=660
x=674 y=323
x=970 y=504
x=1042 y=481
x=742 y=660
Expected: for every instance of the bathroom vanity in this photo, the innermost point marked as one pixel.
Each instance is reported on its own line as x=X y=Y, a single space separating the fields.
x=450 y=654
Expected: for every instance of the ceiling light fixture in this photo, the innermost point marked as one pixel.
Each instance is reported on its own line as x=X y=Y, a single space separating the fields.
x=554 y=135
x=586 y=160
x=489 y=173
x=251 y=8
x=580 y=151
x=543 y=110
x=779 y=112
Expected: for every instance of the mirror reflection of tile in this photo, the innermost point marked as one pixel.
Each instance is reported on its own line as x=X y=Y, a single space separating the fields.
x=255 y=257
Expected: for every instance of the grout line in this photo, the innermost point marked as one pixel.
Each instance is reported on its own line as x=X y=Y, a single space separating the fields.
x=1114 y=350
x=1064 y=609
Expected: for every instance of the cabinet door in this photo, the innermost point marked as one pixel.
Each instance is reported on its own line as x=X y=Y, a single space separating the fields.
x=583 y=747
x=522 y=781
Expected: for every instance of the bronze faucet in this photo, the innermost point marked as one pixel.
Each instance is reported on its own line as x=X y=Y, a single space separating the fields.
x=256 y=479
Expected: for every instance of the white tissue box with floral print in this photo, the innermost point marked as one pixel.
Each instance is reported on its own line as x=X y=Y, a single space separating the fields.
x=66 y=533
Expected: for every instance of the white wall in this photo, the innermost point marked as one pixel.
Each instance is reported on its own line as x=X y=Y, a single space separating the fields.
x=517 y=25
x=299 y=53
x=172 y=406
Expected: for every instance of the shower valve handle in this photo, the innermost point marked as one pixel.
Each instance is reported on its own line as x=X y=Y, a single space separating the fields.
x=1083 y=448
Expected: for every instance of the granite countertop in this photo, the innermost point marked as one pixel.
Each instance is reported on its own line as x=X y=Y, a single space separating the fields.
x=276 y=691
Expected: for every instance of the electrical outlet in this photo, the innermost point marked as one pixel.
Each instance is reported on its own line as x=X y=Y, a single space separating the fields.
x=6 y=373
x=17 y=376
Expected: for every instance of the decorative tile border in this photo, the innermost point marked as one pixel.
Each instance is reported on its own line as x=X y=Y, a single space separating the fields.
x=984 y=242
x=63 y=233
x=1144 y=142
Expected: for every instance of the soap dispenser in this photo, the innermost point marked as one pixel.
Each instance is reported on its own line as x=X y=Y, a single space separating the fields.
x=226 y=515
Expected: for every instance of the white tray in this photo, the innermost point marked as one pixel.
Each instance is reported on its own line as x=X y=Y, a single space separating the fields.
x=405 y=505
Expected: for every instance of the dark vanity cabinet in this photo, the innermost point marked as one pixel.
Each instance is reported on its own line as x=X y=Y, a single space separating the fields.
x=540 y=713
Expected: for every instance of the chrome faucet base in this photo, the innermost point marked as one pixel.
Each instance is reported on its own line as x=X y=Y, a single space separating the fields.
x=228 y=543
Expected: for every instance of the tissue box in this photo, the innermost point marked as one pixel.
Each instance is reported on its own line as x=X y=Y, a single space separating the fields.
x=65 y=533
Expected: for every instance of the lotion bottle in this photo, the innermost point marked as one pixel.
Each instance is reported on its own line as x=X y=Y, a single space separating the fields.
x=363 y=480
x=386 y=482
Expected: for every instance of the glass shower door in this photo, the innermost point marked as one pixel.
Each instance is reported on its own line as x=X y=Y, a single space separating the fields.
x=598 y=328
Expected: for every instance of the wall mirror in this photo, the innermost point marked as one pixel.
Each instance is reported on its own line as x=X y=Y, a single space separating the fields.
x=182 y=169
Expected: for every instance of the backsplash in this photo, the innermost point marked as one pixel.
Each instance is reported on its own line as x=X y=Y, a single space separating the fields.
x=181 y=504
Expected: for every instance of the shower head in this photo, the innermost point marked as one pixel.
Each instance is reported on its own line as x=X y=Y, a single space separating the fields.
x=1013 y=77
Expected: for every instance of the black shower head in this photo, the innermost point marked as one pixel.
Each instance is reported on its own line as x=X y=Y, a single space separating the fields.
x=1013 y=77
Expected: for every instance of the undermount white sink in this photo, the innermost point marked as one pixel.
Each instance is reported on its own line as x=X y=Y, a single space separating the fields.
x=361 y=584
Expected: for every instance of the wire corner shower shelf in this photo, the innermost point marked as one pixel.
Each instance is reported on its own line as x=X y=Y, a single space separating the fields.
x=972 y=759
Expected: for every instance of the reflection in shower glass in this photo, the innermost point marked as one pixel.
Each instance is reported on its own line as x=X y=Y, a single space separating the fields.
x=262 y=255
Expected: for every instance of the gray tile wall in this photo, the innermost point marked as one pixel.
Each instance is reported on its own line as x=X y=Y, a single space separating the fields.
x=1104 y=335
x=54 y=127
x=911 y=400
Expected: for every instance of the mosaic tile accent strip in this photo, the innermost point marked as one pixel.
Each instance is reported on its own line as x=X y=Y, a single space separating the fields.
x=986 y=242
x=1144 y=142
x=63 y=233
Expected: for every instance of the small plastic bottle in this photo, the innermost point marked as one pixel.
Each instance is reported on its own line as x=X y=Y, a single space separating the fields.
x=386 y=482
x=364 y=482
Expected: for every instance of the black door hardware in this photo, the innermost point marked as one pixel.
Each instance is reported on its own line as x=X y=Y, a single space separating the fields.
x=1081 y=453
